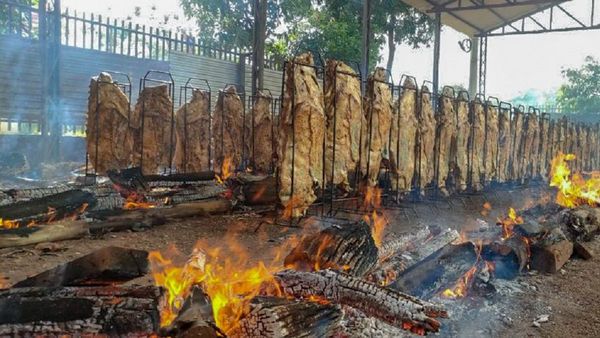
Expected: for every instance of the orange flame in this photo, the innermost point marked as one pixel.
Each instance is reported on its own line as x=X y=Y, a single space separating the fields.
x=290 y=207
x=137 y=201
x=50 y=218
x=228 y=280
x=509 y=222
x=487 y=207
x=573 y=190
x=226 y=170
x=8 y=224
x=462 y=285
x=378 y=223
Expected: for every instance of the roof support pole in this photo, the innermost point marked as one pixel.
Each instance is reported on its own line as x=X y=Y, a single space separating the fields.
x=436 y=54
x=366 y=34
x=473 y=66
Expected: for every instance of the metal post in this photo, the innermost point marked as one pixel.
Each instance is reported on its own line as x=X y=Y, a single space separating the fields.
x=483 y=64
x=43 y=58
x=55 y=111
x=366 y=34
x=436 y=54
x=473 y=67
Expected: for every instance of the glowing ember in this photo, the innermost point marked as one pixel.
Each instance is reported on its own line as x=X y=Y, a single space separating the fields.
x=487 y=207
x=228 y=279
x=289 y=207
x=573 y=190
x=462 y=285
x=137 y=201
x=8 y=224
x=50 y=218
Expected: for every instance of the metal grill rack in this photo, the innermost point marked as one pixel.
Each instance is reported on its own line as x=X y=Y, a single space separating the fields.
x=192 y=85
x=123 y=84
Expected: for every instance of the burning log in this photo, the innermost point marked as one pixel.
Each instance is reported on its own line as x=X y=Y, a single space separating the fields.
x=154 y=107
x=101 y=267
x=401 y=243
x=19 y=195
x=350 y=248
x=463 y=133
x=442 y=267
x=115 y=311
x=109 y=136
x=504 y=146
x=133 y=179
x=192 y=129
x=393 y=307
x=228 y=129
x=446 y=128
x=261 y=136
x=491 y=142
x=47 y=208
x=477 y=145
x=301 y=133
x=279 y=317
x=343 y=108
x=424 y=244
x=378 y=111
x=426 y=140
x=195 y=319
x=404 y=138
x=509 y=256
x=46 y=233
x=516 y=129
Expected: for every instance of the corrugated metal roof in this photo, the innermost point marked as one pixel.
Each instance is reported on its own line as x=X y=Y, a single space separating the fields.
x=477 y=17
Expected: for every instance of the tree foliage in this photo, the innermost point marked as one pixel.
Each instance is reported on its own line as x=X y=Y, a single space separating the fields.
x=333 y=28
x=581 y=93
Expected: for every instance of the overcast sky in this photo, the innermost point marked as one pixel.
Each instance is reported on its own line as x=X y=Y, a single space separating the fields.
x=515 y=63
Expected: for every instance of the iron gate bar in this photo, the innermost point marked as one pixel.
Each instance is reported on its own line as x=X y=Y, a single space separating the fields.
x=171 y=90
x=183 y=99
x=125 y=86
x=482 y=5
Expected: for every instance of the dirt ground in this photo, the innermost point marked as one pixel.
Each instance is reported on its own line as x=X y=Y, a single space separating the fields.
x=570 y=298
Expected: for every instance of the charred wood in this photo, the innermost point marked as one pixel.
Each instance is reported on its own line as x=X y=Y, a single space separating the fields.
x=280 y=317
x=391 y=306
x=101 y=267
x=51 y=206
x=114 y=311
x=350 y=248
x=195 y=319
x=423 y=246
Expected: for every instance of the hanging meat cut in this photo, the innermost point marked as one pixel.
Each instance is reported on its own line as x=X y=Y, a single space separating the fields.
x=108 y=132
x=192 y=151
x=545 y=137
x=343 y=109
x=446 y=126
x=404 y=138
x=516 y=130
x=378 y=109
x=301 y=136
x=462 y=141
x=528 y=150
x=477 y=145
x=155 y=137
x=491 y=142
x=426 y=140
x=228 y=129
x=504 y=149
x=261 y=134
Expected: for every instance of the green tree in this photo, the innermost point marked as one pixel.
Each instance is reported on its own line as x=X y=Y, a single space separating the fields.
x=581 y=93
x=401 y=24
x=15 y=18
